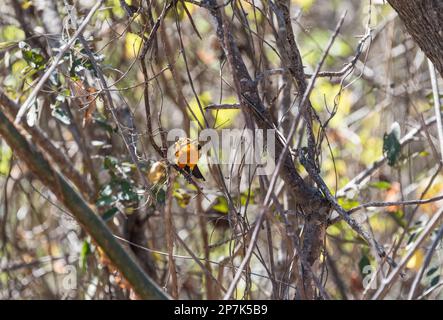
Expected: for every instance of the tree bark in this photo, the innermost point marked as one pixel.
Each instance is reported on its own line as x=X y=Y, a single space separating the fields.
x=424 y=21
x=312 y=202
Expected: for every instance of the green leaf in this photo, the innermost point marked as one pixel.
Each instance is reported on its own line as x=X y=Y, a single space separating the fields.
x=382 y=185
x=221 y=205
x=412 y=237
x=399 y=218
x=161 y=196
x=244 y=198
x=109 y=214
x=84 y=253
x=110 y=162
x=364 y=261
x=105 y=201
x=435 y=280
x=431 y=271
x=127 y=193
x=5 y=159
x=32 y=56
x=79 y=65
x=182 y=197
x=54 y=79
x=348 y=204
x=60 y=115
x=391 y=147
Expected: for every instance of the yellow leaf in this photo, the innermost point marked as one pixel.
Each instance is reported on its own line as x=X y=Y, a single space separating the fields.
x=5 y=158
x=18 y=67
x=373 y=151
x=416 y=260
x=157 y=256
x=204 y=98
x=325 y=95
x=132 y=45
x=11 y=33
x=304 y=4
x=26 y=4
x=224 y=118
x=182 y=197
x=435 y=190
x=191 y=7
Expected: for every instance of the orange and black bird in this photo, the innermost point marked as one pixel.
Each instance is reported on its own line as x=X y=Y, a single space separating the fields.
x=187 y=154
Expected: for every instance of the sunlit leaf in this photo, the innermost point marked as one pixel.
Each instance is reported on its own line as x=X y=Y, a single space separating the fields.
x=132 y=45
x=195 y=113
x=84 y=253
x=381 y=185
x=304 y=4
x=32 y=56
x=416 y=261
x=325 y=96
x=5 y=158
x=182 y=197
x=11 y=33
x=348 y=203
x=373 y=151
x=224 y=118
x=221 y=205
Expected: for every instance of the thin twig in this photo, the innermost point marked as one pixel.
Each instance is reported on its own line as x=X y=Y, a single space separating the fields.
x=248 y=255
x=223 y=106
x=394 y=203
x=169 y=230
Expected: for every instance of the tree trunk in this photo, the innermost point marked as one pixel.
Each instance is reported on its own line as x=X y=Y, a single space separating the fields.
x=424 y=21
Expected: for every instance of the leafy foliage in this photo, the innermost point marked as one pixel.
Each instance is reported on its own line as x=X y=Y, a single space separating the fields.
x=391 y=147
